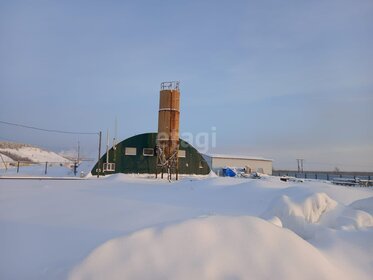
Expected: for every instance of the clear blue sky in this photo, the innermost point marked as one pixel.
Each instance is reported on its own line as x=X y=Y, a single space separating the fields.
x=280 y=79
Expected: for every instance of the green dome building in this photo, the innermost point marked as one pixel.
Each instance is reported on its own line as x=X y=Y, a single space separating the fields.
x=137 y=155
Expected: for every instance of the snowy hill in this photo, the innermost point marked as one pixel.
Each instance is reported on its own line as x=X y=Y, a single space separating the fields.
x=14 y=152
x=5 y=160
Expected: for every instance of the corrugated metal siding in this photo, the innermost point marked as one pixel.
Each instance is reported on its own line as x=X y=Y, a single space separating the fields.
x=193 y=163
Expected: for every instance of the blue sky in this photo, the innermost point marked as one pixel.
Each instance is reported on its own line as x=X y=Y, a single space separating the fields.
x=279 y=79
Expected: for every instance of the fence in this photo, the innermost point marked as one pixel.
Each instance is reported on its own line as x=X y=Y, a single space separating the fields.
x=324 y=175
x=27 y=168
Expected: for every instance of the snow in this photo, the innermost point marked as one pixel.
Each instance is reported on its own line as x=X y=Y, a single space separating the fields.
x=208 y=248
x=53 y=170
x=57 y=165
x=127 y=227
x=35 y=154
x=299 y=211
x=364 y=205
x=305 y=213
x=5 y=161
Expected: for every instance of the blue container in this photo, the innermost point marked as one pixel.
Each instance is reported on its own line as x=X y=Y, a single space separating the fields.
x=227 y=172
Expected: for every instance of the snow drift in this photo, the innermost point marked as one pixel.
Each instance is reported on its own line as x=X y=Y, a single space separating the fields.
x=365 y=204
x=217 y=247
x=305 y=212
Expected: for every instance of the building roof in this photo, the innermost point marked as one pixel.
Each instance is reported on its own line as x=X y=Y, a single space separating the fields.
x=237 y=157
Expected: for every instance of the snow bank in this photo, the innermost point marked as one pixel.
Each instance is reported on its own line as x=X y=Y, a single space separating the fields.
x=350 y=219
x=211 y=248
x=364 y=205
x=304 y=213
x=299 y=211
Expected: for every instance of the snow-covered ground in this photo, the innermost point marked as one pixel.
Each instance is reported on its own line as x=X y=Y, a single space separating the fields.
x=123 y=227
x=54 y=170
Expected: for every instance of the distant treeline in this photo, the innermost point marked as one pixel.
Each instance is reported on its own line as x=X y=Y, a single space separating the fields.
x=12 y=145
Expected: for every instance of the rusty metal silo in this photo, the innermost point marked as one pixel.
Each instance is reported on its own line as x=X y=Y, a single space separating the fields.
x=168 y=129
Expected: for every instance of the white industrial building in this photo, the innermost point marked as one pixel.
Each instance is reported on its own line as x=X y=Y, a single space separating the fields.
x=252 y=164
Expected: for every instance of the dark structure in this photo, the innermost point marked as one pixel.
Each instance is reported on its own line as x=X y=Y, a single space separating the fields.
x=137 y=154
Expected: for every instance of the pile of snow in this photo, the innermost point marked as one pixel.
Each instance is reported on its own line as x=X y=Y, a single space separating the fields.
x=364 y=205
x=210 y=248
x=348 y=219
x=305 y=212
x=299 y=211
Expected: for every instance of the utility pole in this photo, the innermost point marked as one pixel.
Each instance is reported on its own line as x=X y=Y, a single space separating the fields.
x=300 y=165
x=78 y=151
x=6 y=167
x=107 y=146
x=107 y=151
x=76 y=162
x=115 y=139
x=99 y=154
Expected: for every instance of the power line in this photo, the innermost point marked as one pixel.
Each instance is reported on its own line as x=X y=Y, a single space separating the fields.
x=49 y=130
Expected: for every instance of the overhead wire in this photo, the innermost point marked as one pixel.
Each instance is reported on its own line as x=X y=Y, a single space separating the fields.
x=49 y=130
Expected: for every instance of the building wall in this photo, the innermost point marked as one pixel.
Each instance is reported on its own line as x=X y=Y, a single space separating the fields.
x=218 y=163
